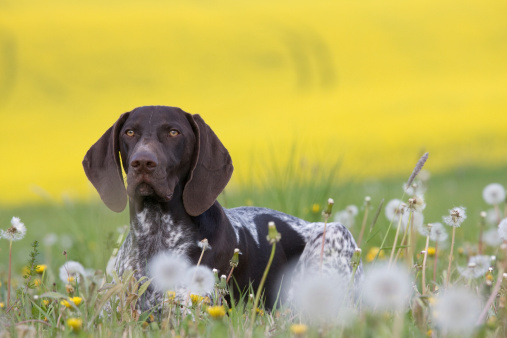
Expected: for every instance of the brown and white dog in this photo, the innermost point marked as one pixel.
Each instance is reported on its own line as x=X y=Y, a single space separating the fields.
x=176 y=167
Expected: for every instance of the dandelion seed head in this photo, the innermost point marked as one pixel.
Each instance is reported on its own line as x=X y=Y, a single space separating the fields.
x=167 y=270
x=387 y=288
x=491 y=237
x=71 y=271
x=502 y=229
x=204 y=244
x=347 y=217
x=16 y=232
x=200 y=280
x=456 y=310
x=477 y=266
x=456 y=217
x=394 y=209
x=415 y=217
x=494 y=193
x=50 y=239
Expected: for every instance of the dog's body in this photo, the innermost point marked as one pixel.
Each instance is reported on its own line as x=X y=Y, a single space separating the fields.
x=176 y=167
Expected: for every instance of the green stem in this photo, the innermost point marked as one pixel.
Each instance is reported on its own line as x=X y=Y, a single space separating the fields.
x=395 y=241
x=261 y=285
x=9 y=275
x=450 y=258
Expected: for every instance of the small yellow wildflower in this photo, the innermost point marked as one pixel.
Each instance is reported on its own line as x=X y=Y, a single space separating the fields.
x=70 y=279
x=429 y=333
x=196 y=299
x=431 y=251
x=75 y=323
x=41 y=268
x=216 y=312
x=315 y=208
x=45 y=302
x=298 y=329
x=171 y=296
x=75 y=300
x=260 y=312
x=2 y=305
x=370 y=256
x=37 y=282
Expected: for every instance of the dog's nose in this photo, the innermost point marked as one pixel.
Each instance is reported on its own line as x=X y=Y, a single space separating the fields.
x=144 y=161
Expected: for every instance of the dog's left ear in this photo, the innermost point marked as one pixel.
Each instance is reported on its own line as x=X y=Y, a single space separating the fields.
x=102 y=167
x=210 y=171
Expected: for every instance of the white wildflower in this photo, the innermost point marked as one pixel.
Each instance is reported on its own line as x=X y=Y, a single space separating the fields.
x=167 y=270
x=71 y=271
x=415 y=217
x=16 y=232
x=438 y=232
x=322 y=299
x=200 y=280
x=491 y=238
x=456 y=311
x=477 y=267
x=50 y=239
x=394 y=209
x=204 y=244
x=387 y=288
x=416 y=203
x=456 y=216
x=493 y=193
x=347 y=217
x=502 y=229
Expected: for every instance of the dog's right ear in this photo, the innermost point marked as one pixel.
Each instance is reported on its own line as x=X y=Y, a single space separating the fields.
x=102 y=167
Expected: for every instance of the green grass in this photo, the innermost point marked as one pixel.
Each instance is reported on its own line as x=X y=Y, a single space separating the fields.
x=92 y=229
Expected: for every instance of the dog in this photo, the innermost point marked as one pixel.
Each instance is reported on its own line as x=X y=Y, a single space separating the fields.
x=176 y=167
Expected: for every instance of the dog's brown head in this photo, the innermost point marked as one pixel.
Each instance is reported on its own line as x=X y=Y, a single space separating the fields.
x=160 y=147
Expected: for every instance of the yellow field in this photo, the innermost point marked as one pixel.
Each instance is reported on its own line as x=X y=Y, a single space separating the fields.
x=371 y=83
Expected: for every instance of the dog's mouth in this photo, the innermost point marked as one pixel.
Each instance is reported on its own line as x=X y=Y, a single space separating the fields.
x=143 y=187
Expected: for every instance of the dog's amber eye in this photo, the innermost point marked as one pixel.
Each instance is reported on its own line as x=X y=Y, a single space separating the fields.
x=173 y=132
x=130 y=132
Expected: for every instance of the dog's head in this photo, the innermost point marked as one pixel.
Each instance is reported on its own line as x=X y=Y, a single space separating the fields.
x=160 y=147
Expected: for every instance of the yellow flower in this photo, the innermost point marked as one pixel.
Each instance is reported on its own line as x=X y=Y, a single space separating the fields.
x=315 y=208
x=298 y=329
x=216 y=312
x=37 y=282
x=196 y=299
x=260 y=312
x=75 y=300
x=41 y=268
x=45 y=302
x=75 y=323
x=370 y=256
x=2 y=305
x=429 y=333
x=431 y=251
x=171 y=295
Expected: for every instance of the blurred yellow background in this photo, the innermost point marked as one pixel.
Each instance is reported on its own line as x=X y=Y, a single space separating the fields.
x=369 y=83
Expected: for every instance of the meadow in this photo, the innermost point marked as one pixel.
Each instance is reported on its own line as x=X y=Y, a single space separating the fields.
x=89 y=231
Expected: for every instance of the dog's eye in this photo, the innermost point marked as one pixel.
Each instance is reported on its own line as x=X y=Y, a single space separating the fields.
x=173 y=132
x=130 y=132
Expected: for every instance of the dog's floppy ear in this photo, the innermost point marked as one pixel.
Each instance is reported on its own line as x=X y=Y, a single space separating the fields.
x=102 y=167
x=210 y=171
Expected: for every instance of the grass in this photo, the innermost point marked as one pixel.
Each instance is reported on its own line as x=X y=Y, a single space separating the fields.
x=90 y=231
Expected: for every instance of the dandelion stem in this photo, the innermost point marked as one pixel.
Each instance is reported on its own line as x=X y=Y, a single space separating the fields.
x=261 y=286
x=395 y=241
x=410 y=240
x=497 y=212
x=435 y=267
x=424 y=265
x=230 y=275
x=450 y=258
x=9 y=275
x=365 y=218
x=200 y=258
x=492 y=297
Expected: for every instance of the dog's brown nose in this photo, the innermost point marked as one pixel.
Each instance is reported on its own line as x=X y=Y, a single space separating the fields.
x=144 y=161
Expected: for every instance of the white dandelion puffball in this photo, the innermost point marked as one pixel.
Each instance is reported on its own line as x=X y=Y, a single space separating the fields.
x=438 y=232
x=456 y=310
x=16 y=232
x=394 y=209
x=50 y=239
x=456 y=217
x=167 y=270
x=352 y=209
x=491 y=217
x=321 y=299
x=494 y=193
x=387 y=288
x=416 y=203
x=491 y=237
x=200 y=280
x=502 y=229
x=416 y=219
x=477 y=267
x=71 y=271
